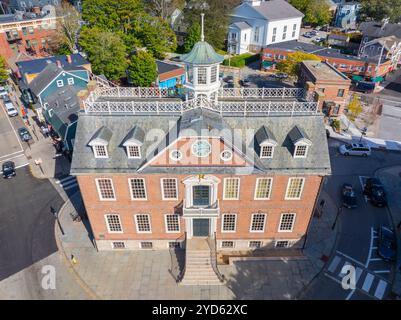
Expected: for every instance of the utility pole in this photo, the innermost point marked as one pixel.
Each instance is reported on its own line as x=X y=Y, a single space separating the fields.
x=339 y=210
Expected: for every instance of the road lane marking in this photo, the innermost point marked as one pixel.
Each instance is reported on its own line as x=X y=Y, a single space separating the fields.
x=21 y=155
x=21 y=166
x=10 y=154
x=374 y=248
x=334 y=263
x=368 y=282
x=381 y=288
x=376 y=259
x=350 y=258
x=382 y=271
x=370 y=248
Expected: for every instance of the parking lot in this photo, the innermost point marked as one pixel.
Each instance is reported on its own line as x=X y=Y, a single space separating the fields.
x=11 y=147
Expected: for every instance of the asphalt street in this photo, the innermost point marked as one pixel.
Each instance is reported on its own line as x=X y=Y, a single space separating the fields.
x=356 y=243
x=26 y=223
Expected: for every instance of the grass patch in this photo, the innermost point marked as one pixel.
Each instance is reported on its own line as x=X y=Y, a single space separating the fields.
x=241 y=60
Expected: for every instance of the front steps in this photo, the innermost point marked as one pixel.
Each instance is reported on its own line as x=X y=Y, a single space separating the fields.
x=198 y=264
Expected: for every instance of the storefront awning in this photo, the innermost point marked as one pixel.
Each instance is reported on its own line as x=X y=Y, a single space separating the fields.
x=266 y=63
x=377 y=79
x=357 y=78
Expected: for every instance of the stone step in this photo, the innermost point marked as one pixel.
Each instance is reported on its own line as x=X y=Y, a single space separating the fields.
x=200 y=283
x=198 y=268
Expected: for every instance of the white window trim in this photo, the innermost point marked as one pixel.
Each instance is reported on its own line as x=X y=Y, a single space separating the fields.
x=264 y=224
x=235 y=223
x=224 y=189
x=165 y=223
x=114 y=248
x=100 y=194
x=162 y=189
x=256 y=188
x=179 y=244
x=136 y=223
x=144 y=186
x=107 y=223
x=221 y=244
x=70 y=81
x=306 y=151
x=231 y=155
x=140 y=245
x=261 y=151
x=289 y=244
x=249 y=244
x=60 y=83
x=175 y=159
x=293 y=222
x=288 y=186
x=139 y=151
x=97 y=155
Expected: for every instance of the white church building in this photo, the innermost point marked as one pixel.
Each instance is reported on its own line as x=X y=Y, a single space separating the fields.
x=256 y=24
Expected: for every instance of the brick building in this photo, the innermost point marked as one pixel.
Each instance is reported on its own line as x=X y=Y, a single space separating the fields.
x=332 y=87
x=226 y=171
x=21 y=34
x=366 y=67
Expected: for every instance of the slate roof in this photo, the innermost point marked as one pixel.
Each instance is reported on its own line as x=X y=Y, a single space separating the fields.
x=202 y=53
x=277 y=10
x=297 y=134
x=265 y=135
x=38 y=65
x=374 y=29
x=44 y=78
x=170 y=127
x=102 y=136
x=136 y=135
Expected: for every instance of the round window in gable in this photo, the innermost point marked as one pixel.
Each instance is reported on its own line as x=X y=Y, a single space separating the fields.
x=175 y=155
x=226 y=155
x=201 y=148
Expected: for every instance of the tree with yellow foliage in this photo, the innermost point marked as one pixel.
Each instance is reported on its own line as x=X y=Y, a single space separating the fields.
x=291 y=65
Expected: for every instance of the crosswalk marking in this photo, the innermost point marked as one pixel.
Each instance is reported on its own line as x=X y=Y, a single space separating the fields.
x=334 y=264
x=67 y=183
x=381 y=288
x=368 y=282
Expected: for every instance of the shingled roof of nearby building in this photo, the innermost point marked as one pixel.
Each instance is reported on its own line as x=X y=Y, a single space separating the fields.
x=44 y=78
x=171 y=127
x=277 y=10
x=373 y=29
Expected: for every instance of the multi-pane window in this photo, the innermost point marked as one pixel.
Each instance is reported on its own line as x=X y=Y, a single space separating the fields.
x=60 y=83
x=169 y=189
x=301 y=151
x=229 y=222
x=202 y=75
x=256 y=34
x=294 y=29
x=146 y=245
x=258 y=222
x=340 y=93
x=70 y=81
x=285 y=32
x=118 y=245
x=143 y=223
x=134 y=151
x=286 y=222
x=231 y=189
x=213 y=74
x=294 y=188
x=274 y=34
x=255 y=244
x=172 y=223
x=138 y=189
x=282 y=244
x=174 y=244
x=105 y=189
x=227 y=244
x=266 y=152
x=263 y=188
x=113 y=223
x=100 y=151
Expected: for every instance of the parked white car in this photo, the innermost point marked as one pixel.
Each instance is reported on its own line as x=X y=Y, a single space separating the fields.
x=11 y=110
x=3 y=92
x=355 y=149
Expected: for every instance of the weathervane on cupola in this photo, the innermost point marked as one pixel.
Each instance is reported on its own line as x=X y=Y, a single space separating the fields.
x=202 y=67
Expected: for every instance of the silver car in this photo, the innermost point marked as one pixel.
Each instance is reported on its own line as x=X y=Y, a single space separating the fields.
x=355 y=149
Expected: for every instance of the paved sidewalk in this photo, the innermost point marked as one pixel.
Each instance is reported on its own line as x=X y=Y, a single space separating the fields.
x=391 y=178
x=144 y=274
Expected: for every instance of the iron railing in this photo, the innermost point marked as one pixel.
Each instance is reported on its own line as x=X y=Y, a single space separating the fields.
x=213 y=256
x=213 y=209
x=177 y=271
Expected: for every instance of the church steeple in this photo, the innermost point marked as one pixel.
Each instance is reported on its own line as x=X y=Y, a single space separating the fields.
x=202 y=66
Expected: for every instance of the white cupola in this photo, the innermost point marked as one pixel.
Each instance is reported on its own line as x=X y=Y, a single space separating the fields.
x=202 y=67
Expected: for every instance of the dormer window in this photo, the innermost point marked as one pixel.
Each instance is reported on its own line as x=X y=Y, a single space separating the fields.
x=100 y=151
x=300 y=141
x=100 y=141
x=134 y=151
x=133 y=142
x=266 y=151
x=266 y=140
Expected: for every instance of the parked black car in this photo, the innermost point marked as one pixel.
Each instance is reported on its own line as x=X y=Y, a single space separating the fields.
x=349 y=196
x=245 y=83
x=387 y=244
x=24 y=134
x=374 y=190
x=8 y=169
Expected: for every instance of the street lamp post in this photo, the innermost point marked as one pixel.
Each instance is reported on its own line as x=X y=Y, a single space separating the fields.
x=363 y=133
x=339 y=210
x=55 y=213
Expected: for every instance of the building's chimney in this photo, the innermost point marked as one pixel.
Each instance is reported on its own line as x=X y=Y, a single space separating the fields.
x=69 y=59
x=58 y=63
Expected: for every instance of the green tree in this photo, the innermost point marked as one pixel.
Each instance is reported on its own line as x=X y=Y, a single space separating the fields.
x=68 y=26
x=163 y=8
x=355 y=107
x=193 y=36
x=292 y=63
x=142 y=70
x=3 y=70
x=106 y=52
x=156 y=35
x=317 y=12
x=379 y=9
